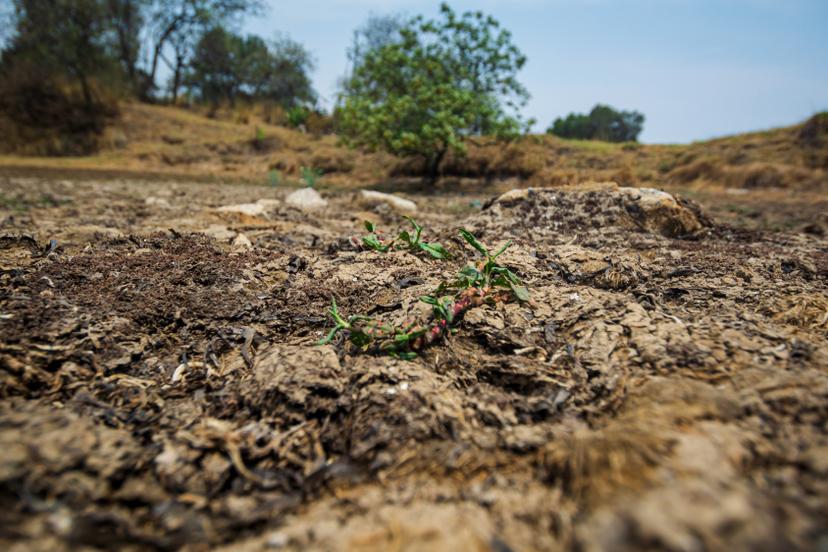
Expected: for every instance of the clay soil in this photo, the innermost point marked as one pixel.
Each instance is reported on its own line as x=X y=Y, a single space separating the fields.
x=665 y=388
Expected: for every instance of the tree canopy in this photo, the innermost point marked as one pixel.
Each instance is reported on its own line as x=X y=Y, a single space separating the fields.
x=441 y=81
x=602 y=123
x=376 y=32
x=65 y=38
x=117 y=43
x=227 y=66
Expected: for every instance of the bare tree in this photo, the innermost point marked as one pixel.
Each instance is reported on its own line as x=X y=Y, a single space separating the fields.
x=376 y=32
x=127 y=19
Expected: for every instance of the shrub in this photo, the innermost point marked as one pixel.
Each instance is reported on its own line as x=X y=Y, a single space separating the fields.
x=44 y=115
x=603 y=123
x=310 y=176
x=296 y=116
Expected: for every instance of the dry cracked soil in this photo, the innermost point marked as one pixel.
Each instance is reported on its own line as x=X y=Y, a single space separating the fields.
x=664 y=388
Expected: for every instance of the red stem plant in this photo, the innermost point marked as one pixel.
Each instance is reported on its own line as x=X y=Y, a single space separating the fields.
x=484 y=283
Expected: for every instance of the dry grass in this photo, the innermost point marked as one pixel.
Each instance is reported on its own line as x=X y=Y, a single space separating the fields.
x=243 y=145
x=805 y=311
x=595 y=463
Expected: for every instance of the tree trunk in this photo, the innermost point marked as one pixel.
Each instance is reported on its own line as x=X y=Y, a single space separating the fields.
x=156 y=54
x=179 y=67
x=433 y=166
x=124 y=27
x=85 y=89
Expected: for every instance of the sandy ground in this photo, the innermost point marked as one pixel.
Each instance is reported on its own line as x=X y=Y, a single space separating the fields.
x=664 y=388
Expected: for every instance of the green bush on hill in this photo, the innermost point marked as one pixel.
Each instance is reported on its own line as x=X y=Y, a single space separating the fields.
x=602 y=123
x=227 y=67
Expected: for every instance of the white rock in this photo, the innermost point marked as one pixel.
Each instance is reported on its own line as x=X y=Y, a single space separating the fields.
x=648 y=194
x=660 y=212
x=157 y=202
x=306 y=199
x=268 y=202
x=252 y=209
x=370 y=197
x=242 y=243
x=516 y=194
x=277 y=539
x=219 y=232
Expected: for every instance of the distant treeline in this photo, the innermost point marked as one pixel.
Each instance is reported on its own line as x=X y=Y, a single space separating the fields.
x=414 y=86
x=602 y=123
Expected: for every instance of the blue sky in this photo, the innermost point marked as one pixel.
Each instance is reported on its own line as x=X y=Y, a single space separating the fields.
x=696 y=68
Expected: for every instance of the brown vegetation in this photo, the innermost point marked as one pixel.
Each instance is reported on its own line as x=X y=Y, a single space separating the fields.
x=242 y=144
x=44 y=116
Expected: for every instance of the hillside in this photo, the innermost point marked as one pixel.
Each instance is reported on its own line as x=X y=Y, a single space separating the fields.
x=774 y=179
x=160 y=139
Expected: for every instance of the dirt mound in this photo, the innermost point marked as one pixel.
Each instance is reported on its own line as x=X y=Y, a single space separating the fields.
x=601 y=207
x=664 y=386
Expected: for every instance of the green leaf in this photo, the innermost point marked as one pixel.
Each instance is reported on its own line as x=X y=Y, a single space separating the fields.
x=520 y=292
x=512 y=277
x=404 y=236
x=418 y=230
x=429 y=300
x=369 y=226
x=372 y=242
x=505 y=275
x=413 y=222
x=328 y=338
x=360 y=339
x=502 y=249
x=336 y=316
x=469 y=237
x=434 y=249
x=469 y=277
x=446 y=309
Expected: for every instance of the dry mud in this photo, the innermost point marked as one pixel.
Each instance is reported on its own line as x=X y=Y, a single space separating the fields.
x=665 y=388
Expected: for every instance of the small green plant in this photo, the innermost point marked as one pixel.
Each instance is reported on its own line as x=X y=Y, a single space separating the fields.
x=367 y=333
x=21 y=204
x=488 y=274
x=296 y=117
x=310 y=176
x=405 y=240
x=485 y=283
x=11 y=203
x=274 y=178
x=375 y=240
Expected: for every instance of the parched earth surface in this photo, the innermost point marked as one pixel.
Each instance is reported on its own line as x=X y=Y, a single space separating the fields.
x=664 y=388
